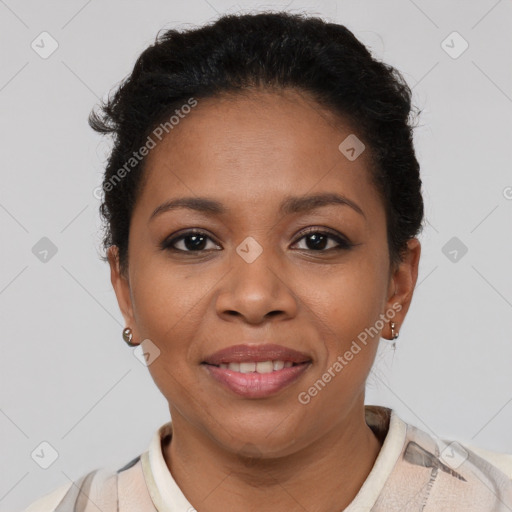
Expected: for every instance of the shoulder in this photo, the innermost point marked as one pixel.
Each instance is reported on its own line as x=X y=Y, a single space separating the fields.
x=100 y=485
x=502 y=461
x=49 y=502
x=434 y=474
x=458 y=476
x=452 y=452
x=107 y=484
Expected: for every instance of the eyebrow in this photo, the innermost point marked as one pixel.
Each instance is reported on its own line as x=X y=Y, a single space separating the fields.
x=290 y=205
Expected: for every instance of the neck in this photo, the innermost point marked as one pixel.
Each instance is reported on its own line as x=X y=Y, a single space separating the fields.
x=322 y=477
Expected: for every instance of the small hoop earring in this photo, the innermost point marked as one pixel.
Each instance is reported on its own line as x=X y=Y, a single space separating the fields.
x=394 y=335
x=128 y=336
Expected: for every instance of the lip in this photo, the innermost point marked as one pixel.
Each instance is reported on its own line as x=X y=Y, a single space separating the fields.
x=253 y=384
x=256 y=385
x=257 y=353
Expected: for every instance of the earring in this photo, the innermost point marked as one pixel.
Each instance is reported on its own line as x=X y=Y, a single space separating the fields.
x=394 y=334
x=128 y=336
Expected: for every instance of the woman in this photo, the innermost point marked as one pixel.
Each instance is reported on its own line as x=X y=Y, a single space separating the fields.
x=262 y=202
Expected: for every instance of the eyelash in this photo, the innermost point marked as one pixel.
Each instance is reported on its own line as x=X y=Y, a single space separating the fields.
x=343 y=244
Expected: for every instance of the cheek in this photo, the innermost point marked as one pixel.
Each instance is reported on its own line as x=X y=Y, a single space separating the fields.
x=167 y=300
x=346 y=299
x=167 y=309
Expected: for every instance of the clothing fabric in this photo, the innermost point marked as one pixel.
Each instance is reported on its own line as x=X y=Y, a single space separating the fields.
x=413 y=472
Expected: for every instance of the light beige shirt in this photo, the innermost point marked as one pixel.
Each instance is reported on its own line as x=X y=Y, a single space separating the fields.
x=413 y=472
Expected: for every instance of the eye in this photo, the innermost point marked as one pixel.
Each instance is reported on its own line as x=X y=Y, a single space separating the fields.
x=318 y=240
x=191 y=241
x=197 y=241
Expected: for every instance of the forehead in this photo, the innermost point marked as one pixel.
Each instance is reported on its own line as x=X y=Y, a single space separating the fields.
x=254 y=147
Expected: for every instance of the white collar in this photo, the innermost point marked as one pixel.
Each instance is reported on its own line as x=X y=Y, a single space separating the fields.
x=384 y=463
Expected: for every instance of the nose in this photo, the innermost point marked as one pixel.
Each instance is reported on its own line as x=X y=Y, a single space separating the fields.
x=256 y=291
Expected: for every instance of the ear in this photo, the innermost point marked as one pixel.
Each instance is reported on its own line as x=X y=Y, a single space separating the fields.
x=401 y=285
x=122 y=289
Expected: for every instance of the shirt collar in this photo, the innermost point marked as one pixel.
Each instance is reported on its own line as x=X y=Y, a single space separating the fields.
x=376 y=418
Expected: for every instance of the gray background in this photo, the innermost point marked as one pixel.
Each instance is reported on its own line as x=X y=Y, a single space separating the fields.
x=67 y=376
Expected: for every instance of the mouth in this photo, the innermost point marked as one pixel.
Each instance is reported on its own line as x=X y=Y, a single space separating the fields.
x=256 y=371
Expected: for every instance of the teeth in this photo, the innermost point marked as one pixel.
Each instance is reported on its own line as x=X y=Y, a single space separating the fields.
x=265 y=367
x=259 y=367
x=278 y=365
x=247 y=367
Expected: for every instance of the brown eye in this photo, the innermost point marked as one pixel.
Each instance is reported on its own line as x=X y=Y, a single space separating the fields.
x=191 y=241
x=322 y=241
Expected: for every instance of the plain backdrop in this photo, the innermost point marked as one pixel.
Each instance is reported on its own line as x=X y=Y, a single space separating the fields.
x=67 y=377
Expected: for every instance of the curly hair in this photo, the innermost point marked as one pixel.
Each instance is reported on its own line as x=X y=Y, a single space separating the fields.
x=237 y=53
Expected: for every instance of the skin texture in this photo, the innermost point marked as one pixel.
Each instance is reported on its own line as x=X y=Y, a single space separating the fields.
x=250 y=152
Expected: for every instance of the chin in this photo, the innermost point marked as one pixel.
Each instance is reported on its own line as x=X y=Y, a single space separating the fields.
x=271 y=435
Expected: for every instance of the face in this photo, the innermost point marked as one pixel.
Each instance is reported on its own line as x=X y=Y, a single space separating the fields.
x=214 y=285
